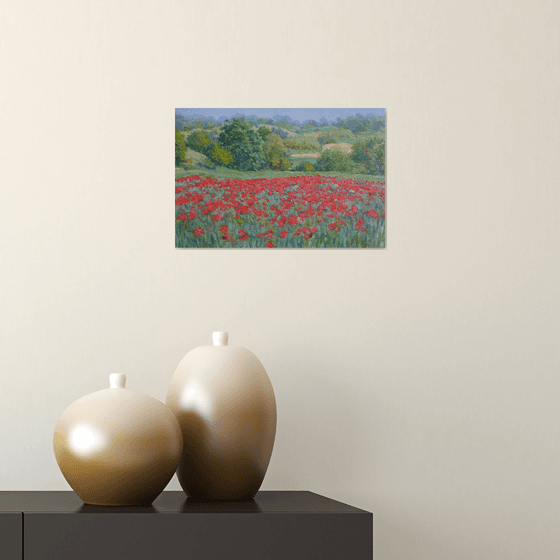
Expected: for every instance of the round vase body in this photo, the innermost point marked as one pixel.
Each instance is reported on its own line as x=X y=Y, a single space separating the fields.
x=225 y=405
x=117 y=447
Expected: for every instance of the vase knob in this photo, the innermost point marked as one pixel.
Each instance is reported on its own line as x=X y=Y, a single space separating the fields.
x=117 y=380
x=220 y=338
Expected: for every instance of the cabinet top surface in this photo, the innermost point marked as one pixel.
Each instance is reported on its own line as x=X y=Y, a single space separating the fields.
x=176 y=502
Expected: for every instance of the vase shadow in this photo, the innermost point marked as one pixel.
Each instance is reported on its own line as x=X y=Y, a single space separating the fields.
x=88 y=508
x=194 y=505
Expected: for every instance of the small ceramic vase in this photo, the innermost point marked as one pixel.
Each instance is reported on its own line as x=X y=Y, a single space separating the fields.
x=117 y=447
x=224 y=401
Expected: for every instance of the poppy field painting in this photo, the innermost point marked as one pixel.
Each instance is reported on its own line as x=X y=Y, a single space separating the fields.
x=280 y=178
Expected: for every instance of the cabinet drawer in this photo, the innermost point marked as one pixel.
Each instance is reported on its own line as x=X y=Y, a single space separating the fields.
x=198 y=536
x=11 y=526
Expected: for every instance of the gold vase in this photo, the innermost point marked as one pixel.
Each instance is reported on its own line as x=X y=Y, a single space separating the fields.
x=225 y=405
x=117 y=447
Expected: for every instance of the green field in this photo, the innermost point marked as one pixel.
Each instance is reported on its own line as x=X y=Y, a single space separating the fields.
x=225 y=173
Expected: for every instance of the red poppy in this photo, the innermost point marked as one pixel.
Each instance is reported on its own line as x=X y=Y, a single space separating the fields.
x=273 y=203
x=270 y=244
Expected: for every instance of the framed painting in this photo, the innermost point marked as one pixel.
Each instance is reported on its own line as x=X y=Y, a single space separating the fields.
x=280 y=178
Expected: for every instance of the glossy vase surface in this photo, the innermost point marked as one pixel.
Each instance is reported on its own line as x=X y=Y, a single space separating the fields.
x=225 y=405
x=118 y=447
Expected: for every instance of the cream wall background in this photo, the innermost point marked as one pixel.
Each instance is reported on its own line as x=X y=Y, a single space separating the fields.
x=420 y=382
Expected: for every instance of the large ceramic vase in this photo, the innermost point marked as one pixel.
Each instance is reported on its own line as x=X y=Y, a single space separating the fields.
x=118 y=447
x=224 y=402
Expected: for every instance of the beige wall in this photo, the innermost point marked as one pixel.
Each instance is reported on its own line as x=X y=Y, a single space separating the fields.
x=420 y=382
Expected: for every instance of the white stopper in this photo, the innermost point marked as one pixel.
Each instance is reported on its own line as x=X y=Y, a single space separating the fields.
x=117 y=380
x=220 y=338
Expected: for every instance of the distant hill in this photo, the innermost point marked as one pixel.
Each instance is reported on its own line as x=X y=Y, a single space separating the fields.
x=323 y=117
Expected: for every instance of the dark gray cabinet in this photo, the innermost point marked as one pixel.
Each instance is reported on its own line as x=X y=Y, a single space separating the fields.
x=273 y=526
x=11 y=534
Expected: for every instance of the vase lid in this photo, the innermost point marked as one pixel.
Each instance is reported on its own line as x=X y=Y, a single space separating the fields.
x=220 y=338
x=117 y=380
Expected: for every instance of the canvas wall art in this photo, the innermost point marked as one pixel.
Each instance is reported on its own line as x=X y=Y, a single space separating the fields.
x=280 y=178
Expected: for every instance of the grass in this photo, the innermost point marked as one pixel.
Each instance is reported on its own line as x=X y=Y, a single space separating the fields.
x=225 y=173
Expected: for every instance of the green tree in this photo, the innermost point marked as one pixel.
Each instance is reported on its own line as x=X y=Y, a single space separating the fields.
x=244 y=143
x=199 y=141
x=275 y=152
x=220 y=156
x=335 y=160
x=355 y=124
x=371 y=155
x=281 y=132
x=264 y=131
x=326 y=138
x=180 y=148
x=303 y=166
x=380 y=156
